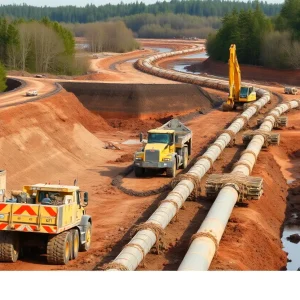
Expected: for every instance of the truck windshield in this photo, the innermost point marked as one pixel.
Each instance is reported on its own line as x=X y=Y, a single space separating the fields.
x=163 y=138
x=244 y=92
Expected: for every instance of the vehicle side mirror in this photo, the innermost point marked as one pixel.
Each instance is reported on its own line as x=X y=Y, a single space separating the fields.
x=141 y=136
x=86 y=197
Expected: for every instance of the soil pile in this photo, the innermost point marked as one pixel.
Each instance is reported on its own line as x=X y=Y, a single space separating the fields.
x=42 y=141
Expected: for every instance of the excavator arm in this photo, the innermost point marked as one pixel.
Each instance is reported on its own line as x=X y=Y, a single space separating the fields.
x=234 y=77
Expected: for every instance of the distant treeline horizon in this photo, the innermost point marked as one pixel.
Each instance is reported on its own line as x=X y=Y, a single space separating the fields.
x=92 y=13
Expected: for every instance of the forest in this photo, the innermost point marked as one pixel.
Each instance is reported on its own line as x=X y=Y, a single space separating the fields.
x=91 y=13
x=271 y=42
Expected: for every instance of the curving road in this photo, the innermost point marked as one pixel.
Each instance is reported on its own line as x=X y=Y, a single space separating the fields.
x=111 y=68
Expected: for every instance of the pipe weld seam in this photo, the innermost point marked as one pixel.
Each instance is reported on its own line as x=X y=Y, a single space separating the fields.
x=208 y=235
x=244 y=118
x=208 y=158
x=256 y=106
x=251 y=152
x=176 y=194
x=216 y=144
x=191 y=177
x=138 y=247
x=240 y=163
x=115 y=265
x=172 y=202
x=156 y=229
x=270 y=121
x=231 y=134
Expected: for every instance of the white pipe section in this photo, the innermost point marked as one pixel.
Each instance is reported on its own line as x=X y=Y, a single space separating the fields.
x=203 y=248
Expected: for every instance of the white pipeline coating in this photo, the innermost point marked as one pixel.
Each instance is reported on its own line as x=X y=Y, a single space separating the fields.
x=130 y=257
x=202 y=249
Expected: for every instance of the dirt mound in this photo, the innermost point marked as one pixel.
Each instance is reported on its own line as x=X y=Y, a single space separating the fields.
x=261 y=74
x=135 y=125
x=45 y=140
x=125 y=158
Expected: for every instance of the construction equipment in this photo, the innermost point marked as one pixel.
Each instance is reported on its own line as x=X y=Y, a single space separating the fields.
x=168 y=147
x=49 y=217
x=291 y=90
x=238 y=95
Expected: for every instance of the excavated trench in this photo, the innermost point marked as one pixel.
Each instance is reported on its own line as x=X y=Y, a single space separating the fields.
x=141 y=101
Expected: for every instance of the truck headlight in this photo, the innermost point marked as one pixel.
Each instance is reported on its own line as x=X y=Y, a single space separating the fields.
x=138 y=158
x=166 y=159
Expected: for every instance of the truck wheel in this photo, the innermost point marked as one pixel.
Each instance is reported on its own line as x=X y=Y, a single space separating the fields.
x=138 y=171
x=75 y=243
x=171 y=172
x=59 y=248
x=185 y=158
x=88 y=237
x=9 y=246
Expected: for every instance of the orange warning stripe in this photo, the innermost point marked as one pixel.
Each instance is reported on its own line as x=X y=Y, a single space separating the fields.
x=3 y=226
x=51 y=211
x=25 y=208
x=2 y=205
x=25 y=227
x=49 y=229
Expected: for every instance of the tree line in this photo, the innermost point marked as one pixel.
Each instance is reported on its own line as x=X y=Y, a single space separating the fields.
x=271 y=42
x=37 y=46
x=106 y=36
x=91 y=13
x=152 y=26
x=45 y=46
x=170 y=25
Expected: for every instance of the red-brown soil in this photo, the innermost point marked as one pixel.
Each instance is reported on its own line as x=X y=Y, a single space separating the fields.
x=59 y=139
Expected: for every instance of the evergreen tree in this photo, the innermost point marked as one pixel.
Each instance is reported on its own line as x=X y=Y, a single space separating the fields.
x=2 y=78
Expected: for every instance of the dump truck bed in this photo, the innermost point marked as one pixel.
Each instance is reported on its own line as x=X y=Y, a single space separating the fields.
x=182 y=133
x=39 y=218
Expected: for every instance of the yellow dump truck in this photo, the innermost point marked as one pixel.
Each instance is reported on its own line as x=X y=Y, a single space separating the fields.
x=167 y=147
x=47 y=216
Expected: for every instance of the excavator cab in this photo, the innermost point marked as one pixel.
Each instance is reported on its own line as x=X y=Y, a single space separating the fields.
x=238 y=95
x=247 y=94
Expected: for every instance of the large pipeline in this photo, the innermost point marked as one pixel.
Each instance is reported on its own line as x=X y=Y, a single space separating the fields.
x=203 y=248
x=150 y=232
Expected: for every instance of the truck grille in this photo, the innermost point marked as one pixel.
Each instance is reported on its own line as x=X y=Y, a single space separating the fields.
x=152 y=155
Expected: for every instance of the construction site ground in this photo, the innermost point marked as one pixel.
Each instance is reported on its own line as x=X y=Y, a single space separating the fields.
x=57 y=139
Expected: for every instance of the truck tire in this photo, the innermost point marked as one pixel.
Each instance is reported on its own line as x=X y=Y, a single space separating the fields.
x=185 y=158
x=75 y=243
x=171 y=172
x=138 y=171
x=9 y=246
x=88 y=236
x=59 y=248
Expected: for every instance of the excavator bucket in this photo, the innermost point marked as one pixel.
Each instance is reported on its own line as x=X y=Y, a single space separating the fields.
x=227 y=107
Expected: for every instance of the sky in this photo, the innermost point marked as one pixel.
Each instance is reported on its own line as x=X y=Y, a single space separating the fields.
x=84 y=2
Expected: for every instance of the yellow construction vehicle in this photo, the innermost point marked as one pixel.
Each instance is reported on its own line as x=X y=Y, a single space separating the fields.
x=238 y=95
x=168 y=147
x=49 y=217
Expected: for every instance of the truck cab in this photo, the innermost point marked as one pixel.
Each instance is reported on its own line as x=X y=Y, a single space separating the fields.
x=167 y=147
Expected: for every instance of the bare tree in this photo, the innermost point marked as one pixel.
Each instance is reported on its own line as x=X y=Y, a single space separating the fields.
x=47 y=46
x=25 y=33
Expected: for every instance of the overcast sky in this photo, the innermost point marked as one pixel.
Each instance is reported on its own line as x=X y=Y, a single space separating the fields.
x=84 y=2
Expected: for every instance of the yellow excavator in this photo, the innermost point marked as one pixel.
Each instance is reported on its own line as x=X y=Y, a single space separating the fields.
x=238 y=95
